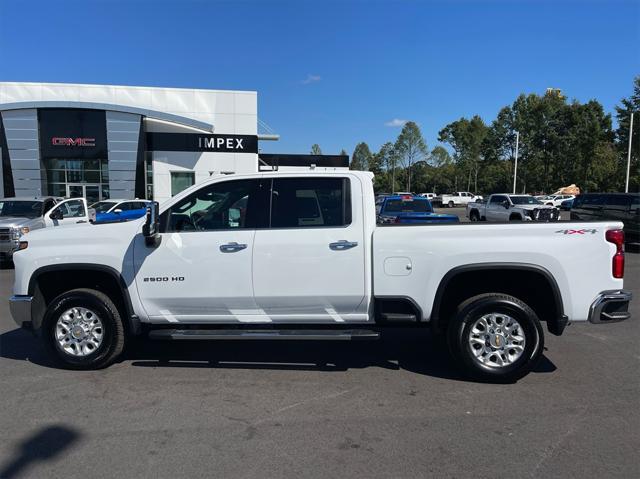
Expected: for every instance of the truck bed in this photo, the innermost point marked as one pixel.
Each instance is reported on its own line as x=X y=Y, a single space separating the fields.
x=410 y=261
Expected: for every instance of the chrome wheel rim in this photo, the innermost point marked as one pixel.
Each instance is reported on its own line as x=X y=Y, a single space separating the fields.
x=496 y=340
x=79 y=331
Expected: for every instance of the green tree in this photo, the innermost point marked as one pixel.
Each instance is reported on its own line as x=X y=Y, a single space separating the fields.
x=386 y=158
x=361 y=157
x=439 y=157
x=315 y=149
x=623 y=114
x=467 y=138
x=410 y=148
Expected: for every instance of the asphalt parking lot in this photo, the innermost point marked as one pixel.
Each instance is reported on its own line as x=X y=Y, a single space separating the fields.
x=393 y=408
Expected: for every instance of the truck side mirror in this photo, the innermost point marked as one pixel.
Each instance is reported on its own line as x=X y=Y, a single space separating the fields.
x=506 y=204
x=56 y=214
x=151 y=227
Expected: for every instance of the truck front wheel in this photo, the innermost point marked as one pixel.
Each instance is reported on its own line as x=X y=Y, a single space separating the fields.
x=495 y=337
x=82 y=328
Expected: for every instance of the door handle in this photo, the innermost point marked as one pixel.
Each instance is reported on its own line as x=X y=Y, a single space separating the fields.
x=232 y=247
x=342 y=245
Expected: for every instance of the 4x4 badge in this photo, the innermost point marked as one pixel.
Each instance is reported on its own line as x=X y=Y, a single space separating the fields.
x=577 y=232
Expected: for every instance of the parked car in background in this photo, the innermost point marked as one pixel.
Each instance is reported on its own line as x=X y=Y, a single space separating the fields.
x=566 y=204
x=397 y=193
x=506 y=207
x=623 y=207
x=429 y=196
x=554 y=200
x=405 y=209
x=119 y=210
x=18 y=216
x=459 y=198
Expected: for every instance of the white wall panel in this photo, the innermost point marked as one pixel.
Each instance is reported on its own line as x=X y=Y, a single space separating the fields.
x=122 y=153
x=21 y=131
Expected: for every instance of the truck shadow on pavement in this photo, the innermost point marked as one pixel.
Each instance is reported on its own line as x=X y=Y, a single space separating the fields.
x=411 y=349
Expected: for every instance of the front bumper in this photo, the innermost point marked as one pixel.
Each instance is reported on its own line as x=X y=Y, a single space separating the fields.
x=610 y=307
x=8 y=247
x=20 y=308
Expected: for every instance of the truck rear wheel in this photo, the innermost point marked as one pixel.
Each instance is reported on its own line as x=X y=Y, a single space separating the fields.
x=474 y=215
x=82 y=328
x=495 y=337
x=451 y=204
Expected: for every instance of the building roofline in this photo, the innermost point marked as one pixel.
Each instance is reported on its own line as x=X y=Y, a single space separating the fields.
x=142 y=87
x=181 y=120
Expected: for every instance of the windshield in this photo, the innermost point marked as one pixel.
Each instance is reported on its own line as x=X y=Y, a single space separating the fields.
x=525 y=200
x=27 y=209
x=102 y=206
x=413 y=206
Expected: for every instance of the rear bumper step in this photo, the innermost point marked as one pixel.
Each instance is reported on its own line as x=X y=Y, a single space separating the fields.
x=246 y=334
x=610 y=307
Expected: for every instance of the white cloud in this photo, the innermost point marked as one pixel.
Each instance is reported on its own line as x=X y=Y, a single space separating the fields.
x=396 y=122
x=311 y=79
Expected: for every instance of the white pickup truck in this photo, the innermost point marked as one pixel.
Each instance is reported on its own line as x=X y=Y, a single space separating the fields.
x=459 y=198
x=299 y=256
x=506 y=207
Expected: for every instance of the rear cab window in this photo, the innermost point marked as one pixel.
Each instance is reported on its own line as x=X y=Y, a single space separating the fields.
x=407 y=205
x=310 y=202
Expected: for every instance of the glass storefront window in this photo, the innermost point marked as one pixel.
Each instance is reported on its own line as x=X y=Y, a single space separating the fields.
x=68 y=176
x=181 y=180
x=56 y=176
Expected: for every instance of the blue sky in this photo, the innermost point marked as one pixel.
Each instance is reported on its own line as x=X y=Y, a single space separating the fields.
x=335 y=72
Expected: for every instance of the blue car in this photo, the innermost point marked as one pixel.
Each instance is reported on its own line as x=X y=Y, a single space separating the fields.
x=409 y=209
x=566 y=205
x=113 y=211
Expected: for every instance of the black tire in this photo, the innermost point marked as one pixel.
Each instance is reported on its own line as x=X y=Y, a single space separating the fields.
x=450 y=204
x=469 y=311
x=474 y=216
x=515 y=218
x=113 y=340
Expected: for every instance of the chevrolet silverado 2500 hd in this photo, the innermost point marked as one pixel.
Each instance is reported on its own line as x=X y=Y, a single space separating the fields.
x=299 y=256
x=506 y=207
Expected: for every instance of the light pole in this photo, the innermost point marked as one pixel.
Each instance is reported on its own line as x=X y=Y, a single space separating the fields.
x=515 y=167
x=626 y=184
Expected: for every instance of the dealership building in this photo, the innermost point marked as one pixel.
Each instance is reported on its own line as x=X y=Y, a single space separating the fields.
x=105 y=141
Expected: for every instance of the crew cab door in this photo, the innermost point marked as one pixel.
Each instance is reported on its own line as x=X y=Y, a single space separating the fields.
x=67 y=212
x=496 y=210
x=309 y=265
x=201 y=270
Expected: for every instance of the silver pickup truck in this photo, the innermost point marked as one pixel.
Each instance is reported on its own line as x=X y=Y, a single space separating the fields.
x=507 y=207
x=18 y=216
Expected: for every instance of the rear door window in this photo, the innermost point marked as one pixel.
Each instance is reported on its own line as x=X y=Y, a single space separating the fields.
x=310 y=202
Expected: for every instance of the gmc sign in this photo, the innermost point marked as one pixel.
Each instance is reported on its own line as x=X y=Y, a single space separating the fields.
x=58 y=141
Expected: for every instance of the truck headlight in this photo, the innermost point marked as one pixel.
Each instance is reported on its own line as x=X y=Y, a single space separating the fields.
x=18 y=232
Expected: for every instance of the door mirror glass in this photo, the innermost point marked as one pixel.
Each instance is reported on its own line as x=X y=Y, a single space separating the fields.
x=56 y=214
x=506 y=204
x=151 y=227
